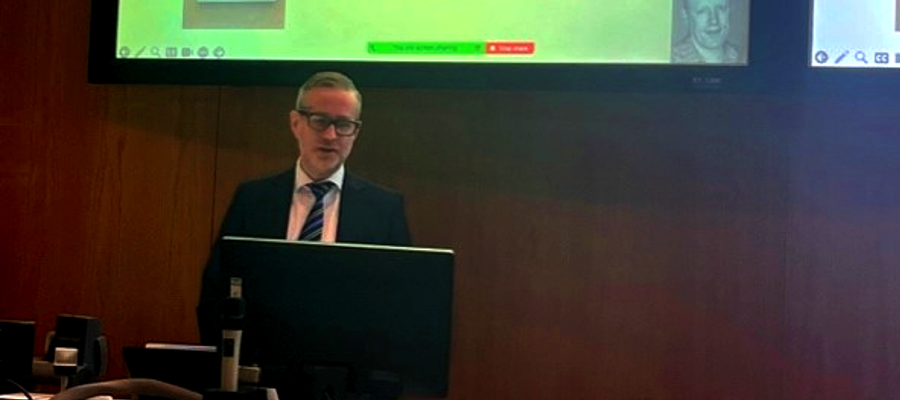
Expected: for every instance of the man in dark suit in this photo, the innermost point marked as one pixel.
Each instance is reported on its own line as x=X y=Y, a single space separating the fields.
x=317 y=199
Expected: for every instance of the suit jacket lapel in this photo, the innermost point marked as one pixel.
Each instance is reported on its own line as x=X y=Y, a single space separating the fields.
x=352 y=209
x=281 y=193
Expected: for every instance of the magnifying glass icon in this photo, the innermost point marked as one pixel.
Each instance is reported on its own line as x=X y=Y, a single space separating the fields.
x=154 y=51
x=861 y=57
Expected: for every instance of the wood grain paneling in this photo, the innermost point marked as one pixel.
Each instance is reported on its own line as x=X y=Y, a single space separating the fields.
x=843 y=314
x=16 y=165
x=609 y=246
x=618 y=247
x=254 y=140
x=19 y=33
x=153 y=185
x=20 y=283
x=111 y=193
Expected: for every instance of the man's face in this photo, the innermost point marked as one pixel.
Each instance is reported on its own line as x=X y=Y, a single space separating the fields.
x=323 y=152
x=708 y=21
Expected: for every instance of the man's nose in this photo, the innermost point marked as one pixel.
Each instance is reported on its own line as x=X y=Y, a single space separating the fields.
x=330 y=132
x=713 y=18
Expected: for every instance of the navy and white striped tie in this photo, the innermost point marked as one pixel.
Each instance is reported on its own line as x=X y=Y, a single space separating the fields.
x=312 y=228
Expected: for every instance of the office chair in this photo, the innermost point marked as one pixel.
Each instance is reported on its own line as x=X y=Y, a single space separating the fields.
x=128 y=388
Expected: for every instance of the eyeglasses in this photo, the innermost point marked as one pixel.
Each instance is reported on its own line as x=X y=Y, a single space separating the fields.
x=320 y=123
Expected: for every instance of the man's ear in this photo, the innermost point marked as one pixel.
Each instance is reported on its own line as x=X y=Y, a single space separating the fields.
x=295 y=122
x=683 y=6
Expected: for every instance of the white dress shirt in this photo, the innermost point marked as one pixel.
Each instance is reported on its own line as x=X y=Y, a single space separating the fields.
x=304 y=200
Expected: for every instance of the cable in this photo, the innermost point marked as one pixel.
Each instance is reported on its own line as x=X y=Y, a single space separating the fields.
x=25 y=392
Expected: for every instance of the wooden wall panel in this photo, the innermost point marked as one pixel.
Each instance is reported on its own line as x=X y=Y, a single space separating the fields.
x=152 y=188
x=254 y=140
x=610 y=246
x=16 y=164
x=130 y=208
x=618 y=247
x=15 y=181
x=843 y=311
x=109 y=191
x=17 y=52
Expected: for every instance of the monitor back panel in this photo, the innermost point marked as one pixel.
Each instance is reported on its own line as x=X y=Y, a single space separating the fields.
x=376 y=308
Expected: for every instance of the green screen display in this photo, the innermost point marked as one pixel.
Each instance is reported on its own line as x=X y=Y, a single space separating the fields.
x=478 y=31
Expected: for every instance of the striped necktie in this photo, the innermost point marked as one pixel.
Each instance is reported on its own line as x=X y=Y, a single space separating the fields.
x=312 y=228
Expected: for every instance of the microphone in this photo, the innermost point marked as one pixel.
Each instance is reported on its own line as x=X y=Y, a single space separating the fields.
x=233 y=309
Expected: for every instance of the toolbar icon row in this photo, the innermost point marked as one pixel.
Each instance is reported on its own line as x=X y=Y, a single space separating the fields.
x=171 y=52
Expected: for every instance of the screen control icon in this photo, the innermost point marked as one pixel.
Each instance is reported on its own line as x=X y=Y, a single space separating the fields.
x=882 y=57
x=821 y=57
x=841 y=57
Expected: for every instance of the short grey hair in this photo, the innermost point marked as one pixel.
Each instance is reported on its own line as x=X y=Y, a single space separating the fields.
x=329 y=79
x=685 y=4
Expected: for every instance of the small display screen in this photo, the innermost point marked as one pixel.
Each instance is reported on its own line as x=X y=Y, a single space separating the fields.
x=855 y=34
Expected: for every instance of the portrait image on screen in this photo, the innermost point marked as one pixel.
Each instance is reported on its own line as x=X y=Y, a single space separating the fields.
x=710 y=32
x=233 y=14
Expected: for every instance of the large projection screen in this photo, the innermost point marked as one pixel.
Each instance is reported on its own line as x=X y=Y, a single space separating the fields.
x=591 y=32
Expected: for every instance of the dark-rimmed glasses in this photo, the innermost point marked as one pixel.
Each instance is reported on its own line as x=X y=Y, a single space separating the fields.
x=320 y=122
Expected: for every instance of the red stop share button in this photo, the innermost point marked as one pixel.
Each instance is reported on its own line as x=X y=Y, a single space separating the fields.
x=510 y=47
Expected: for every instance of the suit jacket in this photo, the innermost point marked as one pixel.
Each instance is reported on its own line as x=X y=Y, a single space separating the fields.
x=368 y=214
x=686 y=53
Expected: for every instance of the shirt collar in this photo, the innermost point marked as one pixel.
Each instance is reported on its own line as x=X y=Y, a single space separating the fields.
x=301 y=179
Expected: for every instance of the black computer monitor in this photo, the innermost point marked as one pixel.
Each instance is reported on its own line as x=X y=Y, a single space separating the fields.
x=378 y=311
